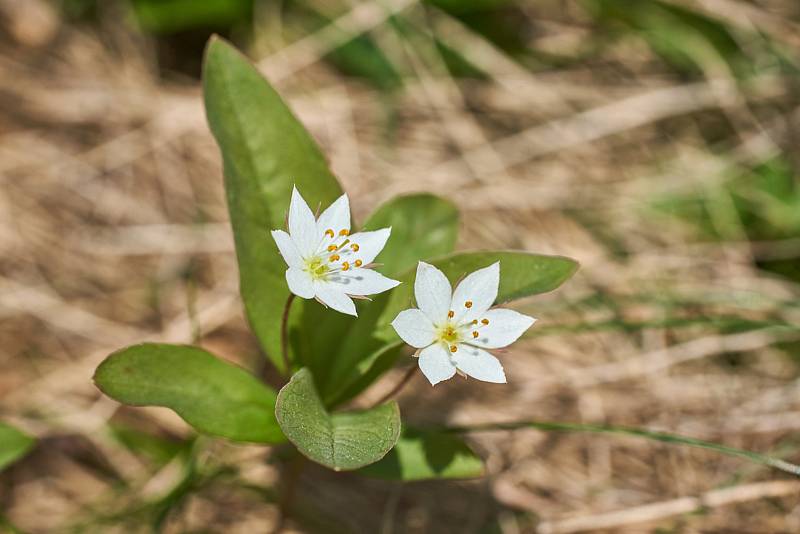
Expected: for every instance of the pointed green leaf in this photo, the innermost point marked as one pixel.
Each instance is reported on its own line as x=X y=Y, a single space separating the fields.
x=366 y=351
x=341 y=441
x=421 y=455
x=423 y=226
x=521 y=275
x=213 y=396
x=265 y=150
x=13 y=445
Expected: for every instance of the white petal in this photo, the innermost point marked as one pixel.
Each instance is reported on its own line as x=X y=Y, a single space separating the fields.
x=479 y=288
x=414 y=328
x=300 y=282
x=432 y=291
x=333 y=297
x=302 y=226
x=479 y=364
x=336 y=217
x=504 y=328
x=287 y=248
x=369 y=245
x=435 y=364
x=361 y=282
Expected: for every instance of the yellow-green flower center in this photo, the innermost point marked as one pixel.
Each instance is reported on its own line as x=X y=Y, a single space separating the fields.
x=449 y=333
x=316 y=268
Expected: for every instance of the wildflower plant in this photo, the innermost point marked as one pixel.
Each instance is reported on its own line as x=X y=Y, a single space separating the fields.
x=365 y=295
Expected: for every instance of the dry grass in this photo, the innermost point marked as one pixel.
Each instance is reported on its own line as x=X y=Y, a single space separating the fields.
x=113 y=230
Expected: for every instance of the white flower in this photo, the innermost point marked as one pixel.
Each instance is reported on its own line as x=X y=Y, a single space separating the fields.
x=453 y=329
x=325 y=261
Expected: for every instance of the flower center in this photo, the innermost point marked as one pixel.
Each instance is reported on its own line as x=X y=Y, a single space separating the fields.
x=450 y=335
x=316 y=268
x=334 y=253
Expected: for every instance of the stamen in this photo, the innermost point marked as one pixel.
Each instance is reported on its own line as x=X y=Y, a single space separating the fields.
x=344 y=231
x=355 y=247
x=331 y=248
x=468 y=304
x=358 y=263
x=475 y=334
x=344 y=243
x=345 y=266
x=451 y=314
x=329 y=232
x=484 y=322
x=453 y=348
x=474 y=321
x=335 y=257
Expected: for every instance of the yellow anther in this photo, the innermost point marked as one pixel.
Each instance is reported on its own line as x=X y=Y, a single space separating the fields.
x=474 y=321
x=468 y=304
x=453 y=348
x=345 y=266
x=331 y=248
x=451 y=314
x=474 y=334
x=358 y=263
x=484 y=321
x=344 y=231
x=335 y=257
x=355 y=247
x=329 y=232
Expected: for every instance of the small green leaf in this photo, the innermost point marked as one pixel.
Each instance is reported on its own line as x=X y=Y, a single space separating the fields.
x=173 y=16
x=213 y=396
x=421 y=455
x=423 y=226
x=13 y=445
x=265 y=150
x=158 y=449
x=341 y=441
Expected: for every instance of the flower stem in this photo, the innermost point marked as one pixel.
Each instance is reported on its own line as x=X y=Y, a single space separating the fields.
x=285 y=334
x=400 y=385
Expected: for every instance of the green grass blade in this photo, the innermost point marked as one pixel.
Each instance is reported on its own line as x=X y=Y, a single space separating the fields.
x=549 y=426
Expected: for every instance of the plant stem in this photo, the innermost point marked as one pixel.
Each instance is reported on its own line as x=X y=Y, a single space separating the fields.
x=285 y=334
x=400 y=385
x=287 y=495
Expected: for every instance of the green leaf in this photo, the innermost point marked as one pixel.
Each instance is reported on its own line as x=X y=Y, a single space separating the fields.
x=364 y=373
x=341 y=441
x=213 y=396
x=423 y=226
x=421 y=455
x=13 y=445
x=172 y=16
x=521 y=275
x=550 y=426
x=365 y=353
x=158 y=449
x=265 y=150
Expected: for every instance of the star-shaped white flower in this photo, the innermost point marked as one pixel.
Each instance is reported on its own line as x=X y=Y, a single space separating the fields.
x=325 y=261
x=452 y=329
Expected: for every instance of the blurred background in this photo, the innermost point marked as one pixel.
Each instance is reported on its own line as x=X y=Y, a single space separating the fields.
x=654 y=141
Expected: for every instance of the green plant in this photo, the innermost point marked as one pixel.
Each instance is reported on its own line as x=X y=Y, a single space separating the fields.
x=328 y=352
